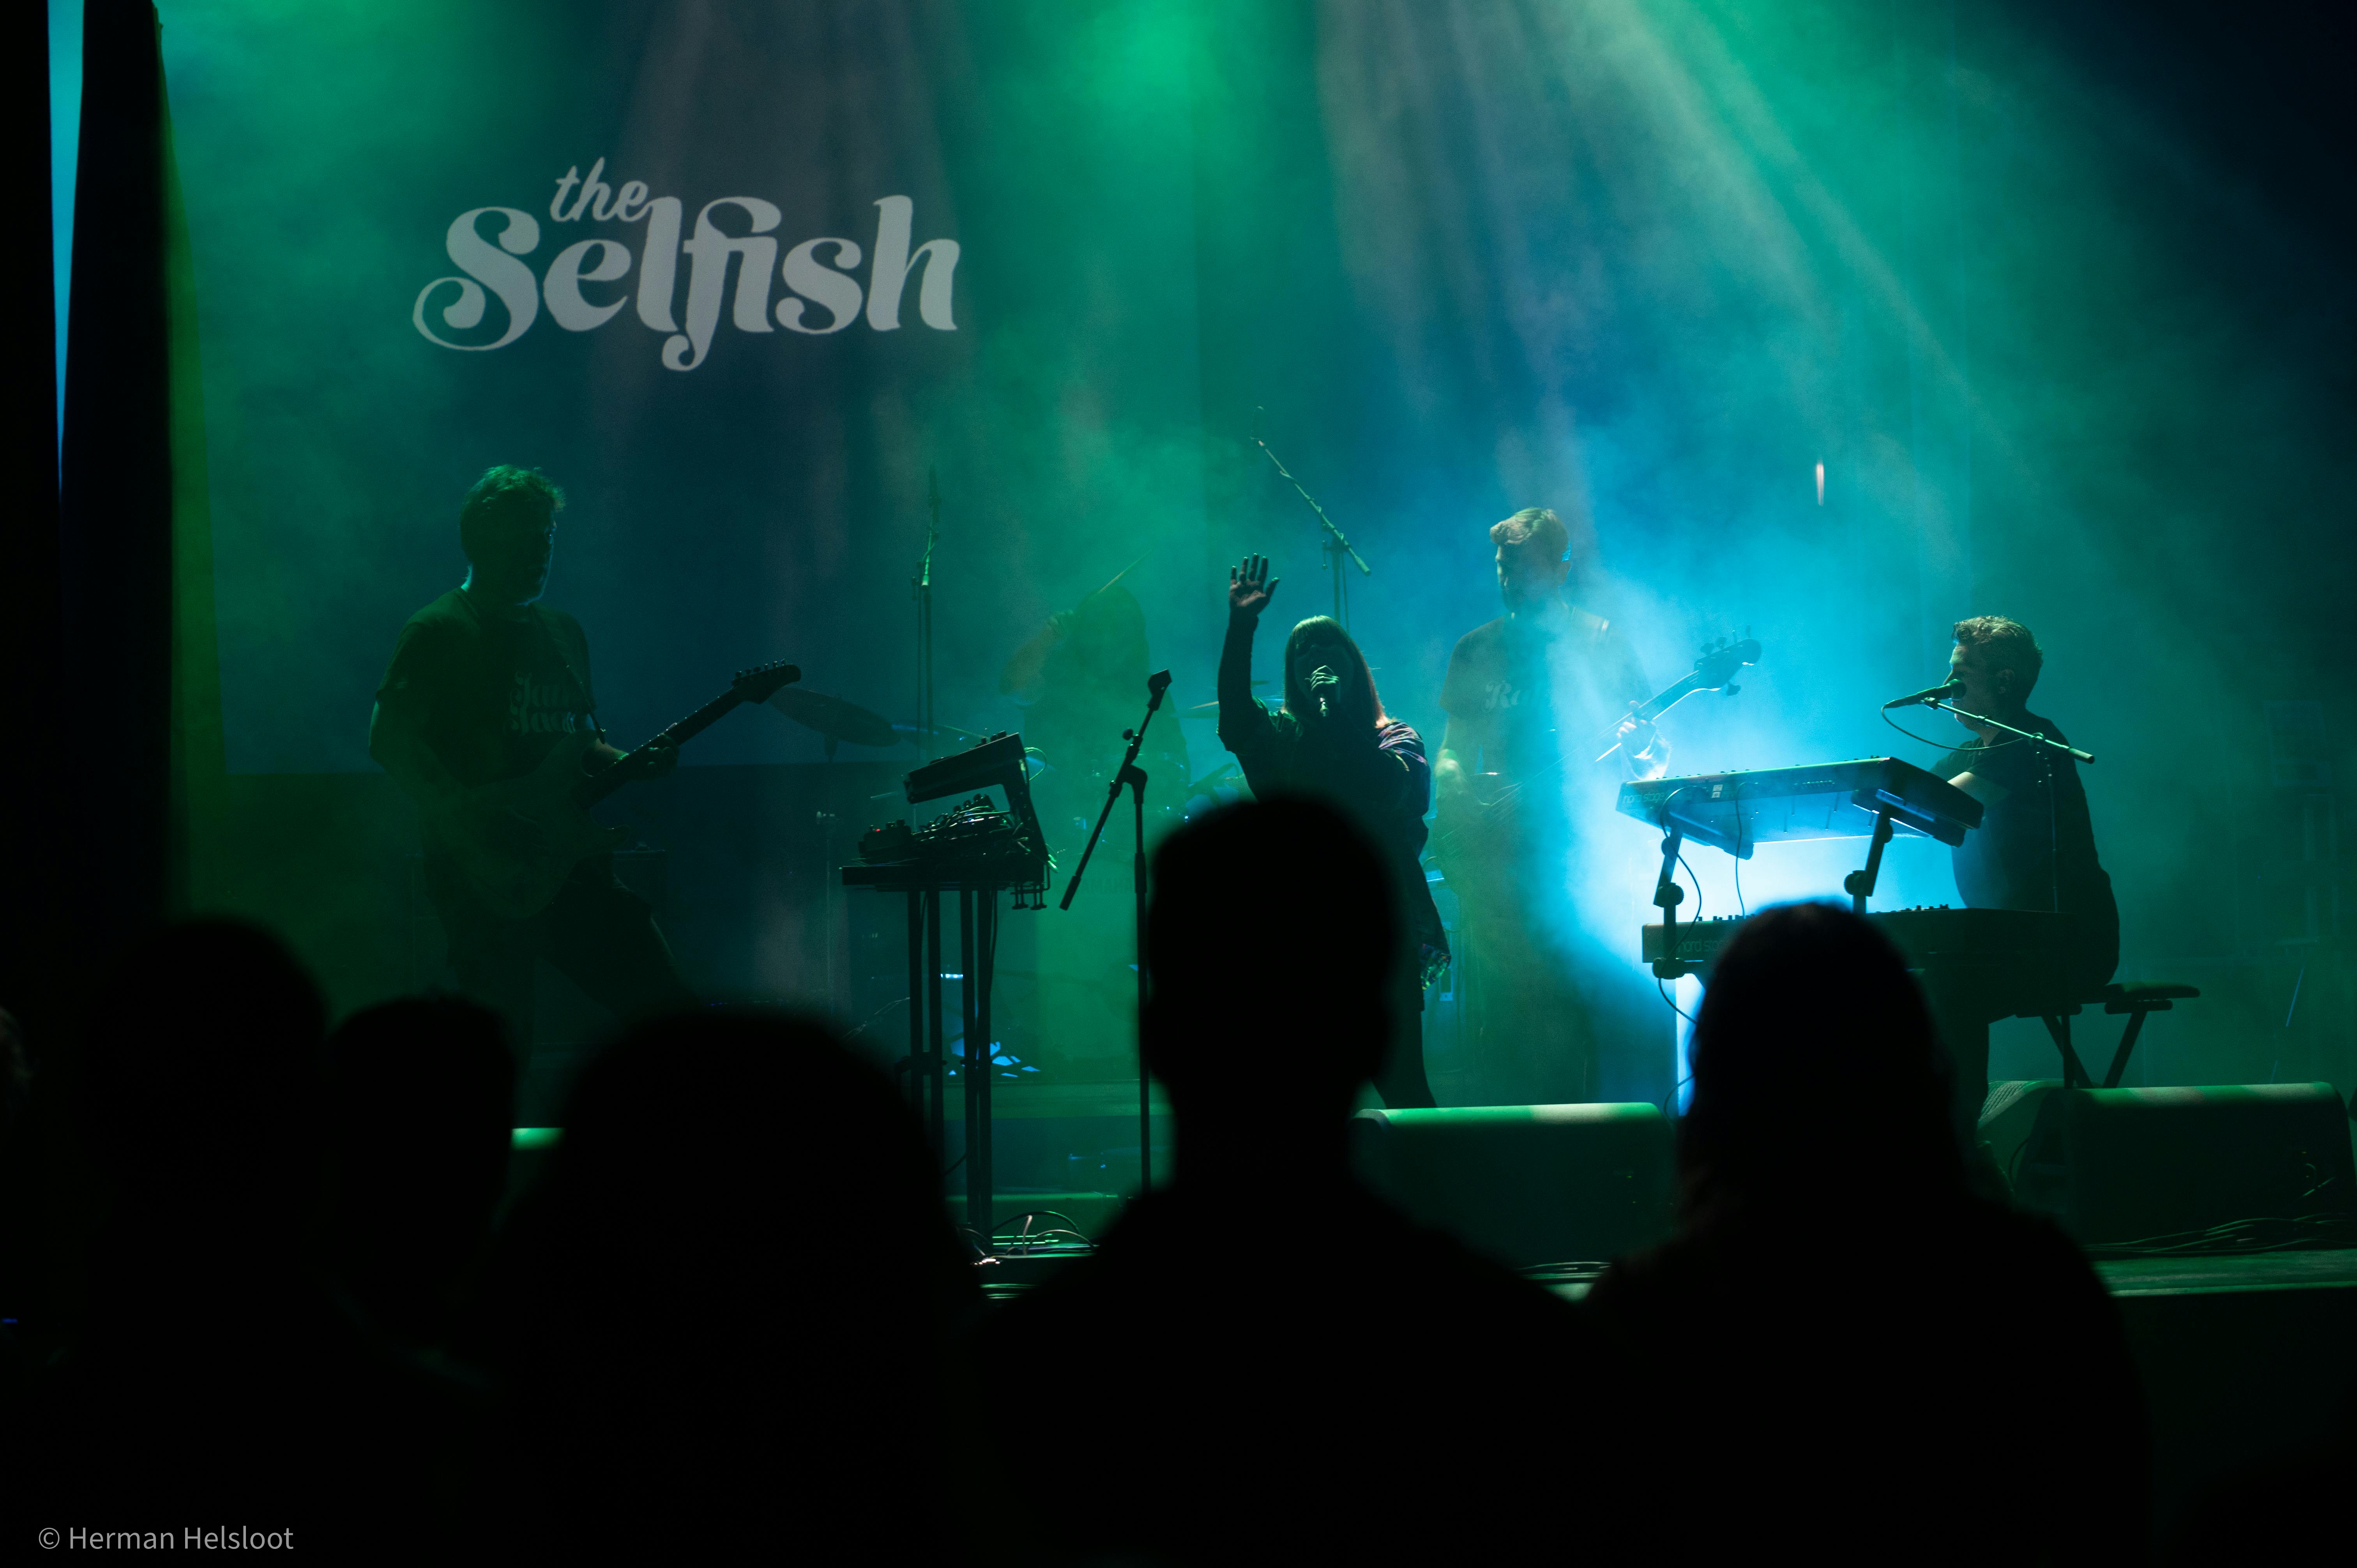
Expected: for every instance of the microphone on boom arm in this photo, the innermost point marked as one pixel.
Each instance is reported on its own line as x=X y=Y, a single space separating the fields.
x=1941 y=693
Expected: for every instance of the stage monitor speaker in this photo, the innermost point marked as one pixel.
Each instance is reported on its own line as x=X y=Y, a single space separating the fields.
x=2119 y=1165
x=1526 y=1184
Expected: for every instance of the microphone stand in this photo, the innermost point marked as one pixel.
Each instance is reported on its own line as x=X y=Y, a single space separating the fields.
x=2041 y=739
x=1336 y=548
x=1133 y=777
x=2047 y=746
x=921 y=588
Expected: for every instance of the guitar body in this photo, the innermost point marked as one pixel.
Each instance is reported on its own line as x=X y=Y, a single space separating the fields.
x=1477 y=829
x=516 y=841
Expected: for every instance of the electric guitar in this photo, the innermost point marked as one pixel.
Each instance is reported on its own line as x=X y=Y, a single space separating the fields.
x=517 y=840
x=1482 y=820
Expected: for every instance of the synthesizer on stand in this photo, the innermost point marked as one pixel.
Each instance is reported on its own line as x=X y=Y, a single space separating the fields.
x=1975 y=965
x=976 y=851
x=1735 y=811
x=1873 y=797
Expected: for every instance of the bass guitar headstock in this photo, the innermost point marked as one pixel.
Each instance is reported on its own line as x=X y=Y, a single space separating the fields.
x=760 y=682
x=1721 y=662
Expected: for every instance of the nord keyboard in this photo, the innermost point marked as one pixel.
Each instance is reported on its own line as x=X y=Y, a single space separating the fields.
x=1734 y=811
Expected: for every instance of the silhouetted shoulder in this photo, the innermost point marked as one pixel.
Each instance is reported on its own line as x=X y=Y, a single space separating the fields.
x=1967 y=1237
x=1880 y=1347
x=1286 y=1360
x=564 y=623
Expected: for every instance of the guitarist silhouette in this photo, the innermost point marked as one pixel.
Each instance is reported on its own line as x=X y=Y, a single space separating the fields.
x=489 y=692
x=1527 y=695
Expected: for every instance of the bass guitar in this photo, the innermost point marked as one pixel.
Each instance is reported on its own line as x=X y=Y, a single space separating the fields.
x=1482 y=823
x=516 y=840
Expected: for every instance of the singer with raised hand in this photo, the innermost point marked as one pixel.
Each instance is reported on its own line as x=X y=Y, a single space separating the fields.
x=1332 y=740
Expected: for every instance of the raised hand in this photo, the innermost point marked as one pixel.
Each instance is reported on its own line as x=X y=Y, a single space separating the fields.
x=1250 y=588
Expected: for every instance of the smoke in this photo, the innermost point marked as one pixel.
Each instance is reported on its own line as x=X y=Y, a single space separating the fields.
x=1652 y=265
x=1655 y=265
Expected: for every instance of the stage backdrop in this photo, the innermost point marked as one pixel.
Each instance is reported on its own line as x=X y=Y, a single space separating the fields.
x=743 y=279
x=1831 y=323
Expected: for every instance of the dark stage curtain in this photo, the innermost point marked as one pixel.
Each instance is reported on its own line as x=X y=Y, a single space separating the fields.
x=117 y=817
x=30 y=789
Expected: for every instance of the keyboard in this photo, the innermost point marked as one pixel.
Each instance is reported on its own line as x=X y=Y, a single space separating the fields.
x=1935 y=935
x=1734 y=811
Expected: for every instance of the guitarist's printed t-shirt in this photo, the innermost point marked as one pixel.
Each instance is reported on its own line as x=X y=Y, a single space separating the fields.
x=494 y=693
x=1524 y=681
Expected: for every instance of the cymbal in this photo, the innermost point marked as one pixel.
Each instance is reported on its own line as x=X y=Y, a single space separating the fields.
x=834 y=718
x=1211 y=710
x=1227 y=773
x=910 y=731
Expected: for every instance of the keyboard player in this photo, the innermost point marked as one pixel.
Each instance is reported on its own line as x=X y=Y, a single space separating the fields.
x=2035 y=848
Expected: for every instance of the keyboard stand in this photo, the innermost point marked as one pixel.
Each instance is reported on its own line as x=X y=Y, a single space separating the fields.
x=1667 y=896
x=927 y=1060
x=1859 y=885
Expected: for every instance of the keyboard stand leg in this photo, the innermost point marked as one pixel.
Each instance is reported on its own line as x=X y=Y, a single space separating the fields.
x=1668 y=894
x=979 y=1188
x=2127 y=1048
x=1859 y=885
x=2075 y=1072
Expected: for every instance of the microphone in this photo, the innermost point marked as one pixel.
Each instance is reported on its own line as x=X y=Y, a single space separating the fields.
x=1321 y=681
x=1944 y=691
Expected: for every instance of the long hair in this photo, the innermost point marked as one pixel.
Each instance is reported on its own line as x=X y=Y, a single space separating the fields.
x=1358 y=687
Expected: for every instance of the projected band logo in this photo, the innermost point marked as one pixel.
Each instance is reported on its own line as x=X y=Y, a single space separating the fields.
x=821 y=273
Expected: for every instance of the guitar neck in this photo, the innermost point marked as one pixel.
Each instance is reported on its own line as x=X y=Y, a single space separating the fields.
x=592 y=790
x=1655 y=706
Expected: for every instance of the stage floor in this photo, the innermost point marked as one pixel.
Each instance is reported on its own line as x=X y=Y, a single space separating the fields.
x=2194 y=1276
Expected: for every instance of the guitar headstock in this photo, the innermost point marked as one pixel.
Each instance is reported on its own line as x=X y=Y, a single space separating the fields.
x=759 y=683
x=1721 y=660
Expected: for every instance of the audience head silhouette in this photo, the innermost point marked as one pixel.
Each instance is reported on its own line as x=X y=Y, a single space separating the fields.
x=423 y=1096
x=758 y=1210
x=1267 y=1015
x=1815 y=1063
x=211 y=1371
x=1269 y=1010
x=1832 y=1262
x=200 y=1077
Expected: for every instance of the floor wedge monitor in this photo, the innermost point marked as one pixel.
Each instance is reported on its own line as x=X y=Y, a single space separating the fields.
x=2164 y=1167
x=1526 y=1184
